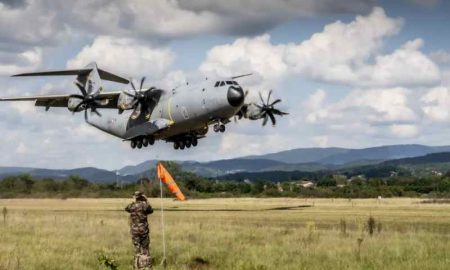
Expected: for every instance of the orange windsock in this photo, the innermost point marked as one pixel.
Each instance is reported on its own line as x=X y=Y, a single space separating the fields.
x=165 y=176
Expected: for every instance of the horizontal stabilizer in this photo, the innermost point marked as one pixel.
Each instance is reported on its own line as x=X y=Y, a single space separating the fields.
x=104 y=75
x=56 y=73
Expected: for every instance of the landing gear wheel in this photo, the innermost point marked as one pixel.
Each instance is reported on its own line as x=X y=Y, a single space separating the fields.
x=133 y=144
x=139 y=144
x=222 y=128
x=182 y=145
x=188 y=143
x=151 y=140
x=176 y=145
x=145 y=141
x=216 y=128
x=194 y=142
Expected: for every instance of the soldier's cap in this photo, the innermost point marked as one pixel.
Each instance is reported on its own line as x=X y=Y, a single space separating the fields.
x=138 y=194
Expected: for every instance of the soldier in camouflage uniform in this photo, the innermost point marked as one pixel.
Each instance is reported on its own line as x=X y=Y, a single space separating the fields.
x=139 y=230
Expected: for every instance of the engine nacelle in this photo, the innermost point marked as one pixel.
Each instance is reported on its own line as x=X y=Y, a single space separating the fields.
x=72 y=103
x=124 y=102
x=251 y=111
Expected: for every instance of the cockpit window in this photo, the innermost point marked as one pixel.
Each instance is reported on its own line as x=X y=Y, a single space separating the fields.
x=235 y=83
x=222 y=83
x=229 y=82
x=217 y=84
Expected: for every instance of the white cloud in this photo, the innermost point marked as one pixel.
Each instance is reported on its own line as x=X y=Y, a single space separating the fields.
x=125 y=56
x=21 y=149
x=404 y=131
x=231 y=144
x=440 y=56
x=344 y=53
x=20 y=62
x=47 y=22
x=406 y=66
x=381 y=105
x=436 y=104
x=256 y=55
x=320 y=141
x=370 y=112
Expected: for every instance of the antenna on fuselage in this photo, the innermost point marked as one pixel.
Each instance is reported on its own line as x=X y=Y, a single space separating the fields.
x=240 y=76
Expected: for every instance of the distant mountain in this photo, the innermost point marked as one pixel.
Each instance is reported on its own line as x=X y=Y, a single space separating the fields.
x=228 y=166
x=427 y=159
x=301 y=155
x=341 y=156
x=15 y=170
x=383 y=153
x=139 y=168
x=92 y=174
x=301 y=160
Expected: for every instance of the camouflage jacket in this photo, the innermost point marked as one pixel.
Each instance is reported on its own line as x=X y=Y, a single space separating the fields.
x=138 y=217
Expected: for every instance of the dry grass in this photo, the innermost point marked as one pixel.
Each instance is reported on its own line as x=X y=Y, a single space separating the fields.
x=230 y=234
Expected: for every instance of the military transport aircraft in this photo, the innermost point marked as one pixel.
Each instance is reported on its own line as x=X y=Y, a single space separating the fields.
x=180 y=116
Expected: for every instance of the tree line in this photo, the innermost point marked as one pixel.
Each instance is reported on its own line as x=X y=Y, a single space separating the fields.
x=195 y=186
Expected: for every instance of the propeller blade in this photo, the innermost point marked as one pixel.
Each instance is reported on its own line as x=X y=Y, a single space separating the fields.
x=81 y=87
x=268 y=97
x=93 y=110
x=85 y=116
x=142 y=82
x=278 y=112
x=128 y=94
x=265 y=119
x=275 y=102
x=132 y=85
x=272 y=118
x=262 y=100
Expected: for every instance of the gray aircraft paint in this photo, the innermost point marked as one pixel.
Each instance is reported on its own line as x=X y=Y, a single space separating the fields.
x=187 y=108
x=173 y=115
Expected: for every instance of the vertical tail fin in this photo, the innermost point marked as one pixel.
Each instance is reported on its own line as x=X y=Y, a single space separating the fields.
x=91 y=80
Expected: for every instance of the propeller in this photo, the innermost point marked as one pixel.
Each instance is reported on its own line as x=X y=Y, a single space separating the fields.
x=140 y=100
x=89 y=100
x=267 y=109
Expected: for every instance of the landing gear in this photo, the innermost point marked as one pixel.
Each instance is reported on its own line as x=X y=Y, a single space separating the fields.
x=219 y=128
x=185 y=142
x=143 y=141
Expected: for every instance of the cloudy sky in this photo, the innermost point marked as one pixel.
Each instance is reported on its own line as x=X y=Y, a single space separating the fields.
x=353 y=73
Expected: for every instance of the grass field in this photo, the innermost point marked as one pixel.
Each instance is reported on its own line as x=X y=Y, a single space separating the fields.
x=230 y=234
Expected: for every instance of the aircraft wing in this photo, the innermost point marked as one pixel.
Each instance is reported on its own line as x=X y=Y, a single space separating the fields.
x=62 y=100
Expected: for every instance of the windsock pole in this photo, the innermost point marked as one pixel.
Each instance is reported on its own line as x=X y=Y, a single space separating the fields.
x=163 y=261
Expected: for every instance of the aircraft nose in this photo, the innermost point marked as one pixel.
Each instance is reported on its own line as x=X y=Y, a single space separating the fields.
x=235 y=96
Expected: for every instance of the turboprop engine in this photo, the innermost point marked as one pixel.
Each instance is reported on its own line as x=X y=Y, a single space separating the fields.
x=265 y=110
x=73 y=105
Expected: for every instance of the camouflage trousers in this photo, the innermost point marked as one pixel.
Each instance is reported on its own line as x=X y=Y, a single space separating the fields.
x=142 y=258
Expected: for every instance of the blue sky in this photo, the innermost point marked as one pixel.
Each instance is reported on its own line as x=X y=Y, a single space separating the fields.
x=354 y=73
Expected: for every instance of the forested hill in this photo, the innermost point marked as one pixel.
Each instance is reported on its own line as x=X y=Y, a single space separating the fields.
x=427 y=159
